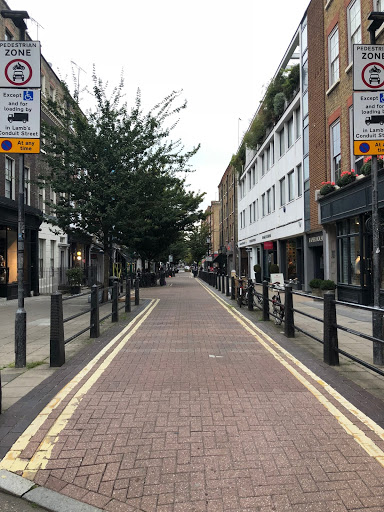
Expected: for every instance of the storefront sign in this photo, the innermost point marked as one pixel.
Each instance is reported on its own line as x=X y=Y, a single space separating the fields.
x=266 y=236
x=315 y=239
x=268 y=246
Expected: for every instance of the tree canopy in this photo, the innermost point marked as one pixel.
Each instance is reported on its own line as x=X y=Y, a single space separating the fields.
x=117 y=173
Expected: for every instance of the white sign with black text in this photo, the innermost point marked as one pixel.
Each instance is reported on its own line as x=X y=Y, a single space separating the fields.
x=20 y=113
x=368 y=67
x=20 y=64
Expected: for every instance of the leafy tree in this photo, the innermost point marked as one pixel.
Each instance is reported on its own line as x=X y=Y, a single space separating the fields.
x=116 y=172
x=198 y=242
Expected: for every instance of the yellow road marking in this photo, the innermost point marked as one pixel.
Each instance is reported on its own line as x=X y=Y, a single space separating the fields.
x=359 y=436
x=12 y=461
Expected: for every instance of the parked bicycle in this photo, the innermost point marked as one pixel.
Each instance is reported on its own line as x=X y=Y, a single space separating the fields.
x=278 y=309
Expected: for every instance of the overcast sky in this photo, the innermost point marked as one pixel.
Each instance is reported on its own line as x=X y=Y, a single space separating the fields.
x=221 y=53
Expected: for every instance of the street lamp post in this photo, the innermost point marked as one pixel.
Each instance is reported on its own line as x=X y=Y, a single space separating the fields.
x=18 y=18
x=377 y=18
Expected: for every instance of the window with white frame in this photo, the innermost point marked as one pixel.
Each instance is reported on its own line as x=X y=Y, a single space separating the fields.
x=263 y=164
x=250 y=214
x=27 y=198
x=333 y=54
x=272 y=146
x=379 y=5
x=273 y=198
x=249 y=179
x=281 y=143
x=299 y=180
x=263 y=205
x=268 y=157
x=269 y=201
x=254 y=175
x=354 y=26
x=291 y=186
x=254 y=210
x=257 y=209
x=297 y=123
x=8 y=36
x=9 y=178
x=282 y=192
x=290 y=132
x=335 y=151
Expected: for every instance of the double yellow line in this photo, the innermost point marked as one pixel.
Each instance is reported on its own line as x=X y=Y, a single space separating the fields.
x=293 y=365
x=12 y=460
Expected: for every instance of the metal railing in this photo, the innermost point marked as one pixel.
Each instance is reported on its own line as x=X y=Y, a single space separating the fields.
x=330 y=326
x=57 y=337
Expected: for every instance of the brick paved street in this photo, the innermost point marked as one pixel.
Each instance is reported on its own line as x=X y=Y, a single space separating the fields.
x=193 y=408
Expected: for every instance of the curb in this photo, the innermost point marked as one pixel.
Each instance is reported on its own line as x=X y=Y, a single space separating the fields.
x=51 y=500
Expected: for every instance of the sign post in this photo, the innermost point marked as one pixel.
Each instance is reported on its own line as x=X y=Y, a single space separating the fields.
x=368 y=119
x=20 y=133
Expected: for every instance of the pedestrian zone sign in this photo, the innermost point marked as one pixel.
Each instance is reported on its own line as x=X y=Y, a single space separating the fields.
x=20 y=64
x=368 y=67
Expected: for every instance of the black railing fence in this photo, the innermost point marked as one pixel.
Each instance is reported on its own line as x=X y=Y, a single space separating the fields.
x=285 y=312
x=57 y=331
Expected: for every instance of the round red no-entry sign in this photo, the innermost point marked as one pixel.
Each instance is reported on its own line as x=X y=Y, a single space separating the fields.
x=18 y=72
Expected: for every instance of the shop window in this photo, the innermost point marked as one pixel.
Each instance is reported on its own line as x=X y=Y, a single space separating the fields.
x=3 y=255
x=291 y=259
x=349 y=253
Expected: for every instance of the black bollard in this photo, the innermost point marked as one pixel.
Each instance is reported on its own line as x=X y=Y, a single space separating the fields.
x=331 y=344
x=115 y=302
x=250 y=295
x=94 y=331
x=289 y=325
x=265 y=301
x=137 y=292
x=57 y=350
x=233 y=288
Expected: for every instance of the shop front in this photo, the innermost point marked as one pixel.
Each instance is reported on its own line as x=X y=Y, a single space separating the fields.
x=8 y=250
x=347 y=219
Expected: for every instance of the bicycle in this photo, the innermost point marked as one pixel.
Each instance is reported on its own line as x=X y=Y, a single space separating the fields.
x=278 y=309
x=242 y=298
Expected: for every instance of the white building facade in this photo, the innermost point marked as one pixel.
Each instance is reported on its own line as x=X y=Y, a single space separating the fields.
x=271 y=195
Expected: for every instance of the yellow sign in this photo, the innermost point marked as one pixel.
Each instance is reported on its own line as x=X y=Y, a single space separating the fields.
x=368 y=147
x=19 y=145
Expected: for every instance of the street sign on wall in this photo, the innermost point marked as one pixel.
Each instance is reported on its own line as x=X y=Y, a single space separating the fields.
x=20 y=64
x=368 y=67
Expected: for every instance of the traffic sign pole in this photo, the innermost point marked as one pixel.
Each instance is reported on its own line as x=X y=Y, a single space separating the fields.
x=377 y=319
